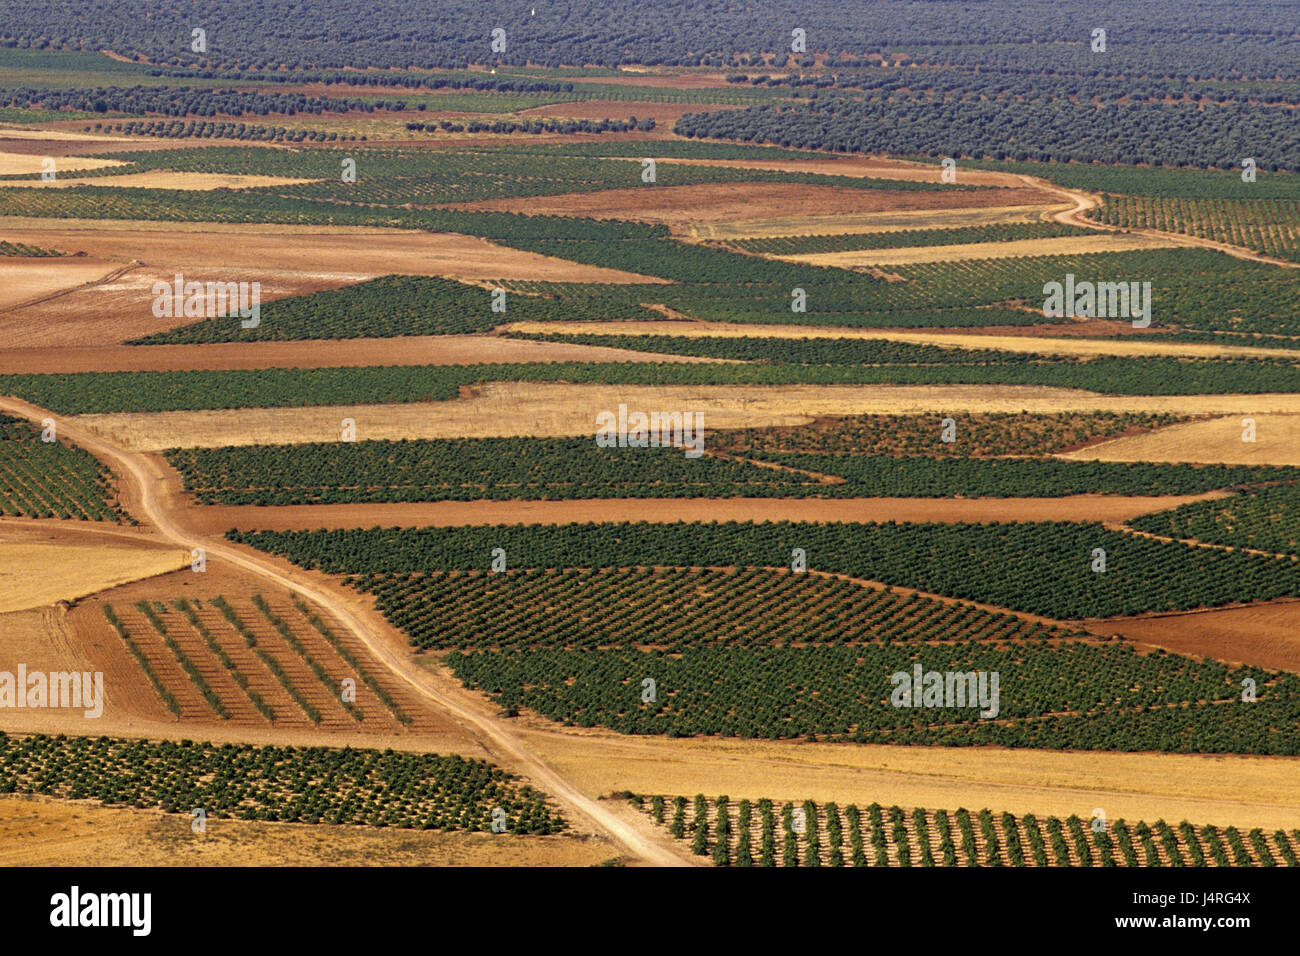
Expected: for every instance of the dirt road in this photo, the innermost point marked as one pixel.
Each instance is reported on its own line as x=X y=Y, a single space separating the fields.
x=141 y=479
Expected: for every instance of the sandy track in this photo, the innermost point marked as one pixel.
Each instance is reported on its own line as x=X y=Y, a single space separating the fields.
x=1083 y=202
x=543 y=409
x=216 y=519
x=148 y=505
x=336 y=353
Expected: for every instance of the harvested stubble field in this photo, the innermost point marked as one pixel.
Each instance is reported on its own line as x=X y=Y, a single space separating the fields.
x=38 y=831
x=33 y=280
x=1223 y=790
x=19 y=163
x=46 y=561
x=160 y=179
x=506 y=409
x=1276 y=442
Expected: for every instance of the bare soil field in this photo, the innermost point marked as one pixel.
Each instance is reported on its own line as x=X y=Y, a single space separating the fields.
x=42 y=831
x=19 y=164
x=341 y=251
x=1012 y=249
x=31 y=280
x=900 y=220
x=120 y=308
x=1040 y=343
x=129 y=260
x=1262 y=635
x=155 y=179
x=1219 y=440
x=506 y=409
x=334 y=353
x=1223 y=790
x=134 y=695
x=41 y=563
x=216 y=519
x=710 y=202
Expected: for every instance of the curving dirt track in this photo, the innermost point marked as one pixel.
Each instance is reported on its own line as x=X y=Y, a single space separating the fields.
x=143 y=500
x=1085 y=201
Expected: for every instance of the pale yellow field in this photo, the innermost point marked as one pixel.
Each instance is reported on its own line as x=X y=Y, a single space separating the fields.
x=1054 y=246
x=39 y=831
x=1222 y=790
x=156 y=179
x=23 y=280
x=58 y=135
x=1010 y=343
x=506 y=409
x=39 y=569
x=20 y=164
x=1219 y=440
x=887 y=221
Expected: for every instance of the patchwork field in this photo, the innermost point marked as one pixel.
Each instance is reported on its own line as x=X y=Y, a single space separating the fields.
x=651 y=448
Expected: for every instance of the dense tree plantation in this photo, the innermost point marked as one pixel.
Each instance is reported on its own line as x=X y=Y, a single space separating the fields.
x=1061 y=696
x=414 y=305
x=40 y=479
x=1041 y=568
x=670 y=608
x=287 y=784
x=837 y=837
x=1168 y=40
x=1267 y=519
x=1047 y=130
x=1161 y=182
x=468 y=469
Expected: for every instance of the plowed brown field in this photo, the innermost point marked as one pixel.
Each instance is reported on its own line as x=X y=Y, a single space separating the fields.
x=708 y=202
